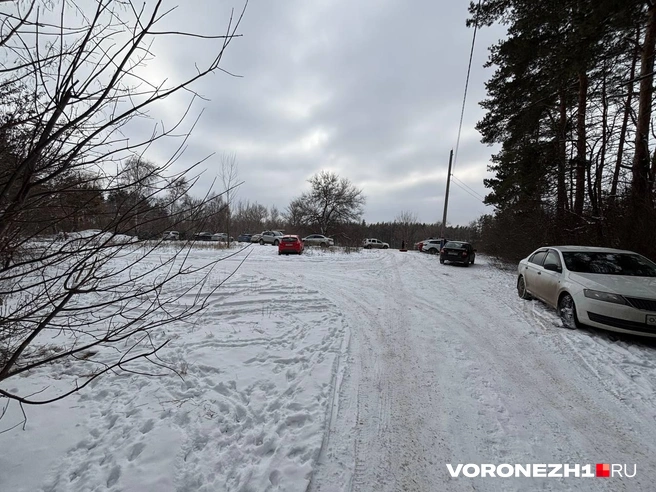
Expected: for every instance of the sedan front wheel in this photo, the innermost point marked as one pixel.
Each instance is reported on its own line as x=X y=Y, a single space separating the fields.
x=567 y=312
x=521 y=288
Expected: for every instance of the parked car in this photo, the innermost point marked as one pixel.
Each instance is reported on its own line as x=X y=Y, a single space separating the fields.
x=171 y=236
x=458 y=252
x=290 y=244
x=431 y=246
x=203 y=236
x=221 y=236
x=374 y=243
x=318 y=240
x=255 y=238
x=244 y=238
x=420 y=244
x=270 y=237
x=605 y=288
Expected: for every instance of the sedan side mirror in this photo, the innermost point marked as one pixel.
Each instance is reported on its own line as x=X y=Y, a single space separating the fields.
x=552 y=267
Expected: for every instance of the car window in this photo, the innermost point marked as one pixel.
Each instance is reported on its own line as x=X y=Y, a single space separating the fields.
x=552 y=259
x=538 y=258
x=609 y=263
x=453 y=244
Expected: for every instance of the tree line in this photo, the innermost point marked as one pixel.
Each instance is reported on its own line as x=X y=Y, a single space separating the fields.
x=570 y=103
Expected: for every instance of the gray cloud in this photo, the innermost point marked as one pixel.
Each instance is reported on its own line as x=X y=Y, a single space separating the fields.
x=370 y=89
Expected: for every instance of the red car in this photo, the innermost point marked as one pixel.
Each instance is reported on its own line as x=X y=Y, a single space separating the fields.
x=290 y=244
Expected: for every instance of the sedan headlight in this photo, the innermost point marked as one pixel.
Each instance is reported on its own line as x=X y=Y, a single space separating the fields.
x=603 y=296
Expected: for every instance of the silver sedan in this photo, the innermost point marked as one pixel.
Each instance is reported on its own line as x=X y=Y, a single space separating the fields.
x=318 y=240
x=605 y=288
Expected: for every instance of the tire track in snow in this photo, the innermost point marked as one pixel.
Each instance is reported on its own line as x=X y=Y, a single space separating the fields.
x=391 y=450
x=502 y=387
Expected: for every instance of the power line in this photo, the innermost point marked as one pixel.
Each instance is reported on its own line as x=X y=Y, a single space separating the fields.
x=480 y=197
x=464 y=98
x=467 y=191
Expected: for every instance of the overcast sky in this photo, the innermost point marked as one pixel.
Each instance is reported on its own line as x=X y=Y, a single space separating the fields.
x=369 y=89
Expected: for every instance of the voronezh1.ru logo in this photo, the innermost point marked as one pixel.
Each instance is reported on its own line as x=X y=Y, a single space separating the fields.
x=558 y=470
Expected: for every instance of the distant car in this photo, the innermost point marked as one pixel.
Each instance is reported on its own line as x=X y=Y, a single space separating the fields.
x=458 y=252
x=318 y=240
x=419 y=245
x=221 y=236
x=255 y=238
x=270 y=237
x=605 y=288
x=203 y=236
x=171 y=236
x=244 y=238
x=374 y=243
x=290 y=244
x=431 y=246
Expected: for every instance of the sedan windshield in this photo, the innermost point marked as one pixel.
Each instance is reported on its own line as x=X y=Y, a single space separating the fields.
x=609 y=264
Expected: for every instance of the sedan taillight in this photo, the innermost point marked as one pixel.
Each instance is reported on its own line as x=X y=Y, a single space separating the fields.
x=464 y=253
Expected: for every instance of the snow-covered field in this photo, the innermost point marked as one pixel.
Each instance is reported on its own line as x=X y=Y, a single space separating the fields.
x=367 y=371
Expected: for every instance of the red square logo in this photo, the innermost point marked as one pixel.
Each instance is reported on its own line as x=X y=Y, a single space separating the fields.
x=603 y=470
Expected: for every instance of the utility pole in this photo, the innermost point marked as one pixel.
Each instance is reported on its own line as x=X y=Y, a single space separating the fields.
x=446 y=196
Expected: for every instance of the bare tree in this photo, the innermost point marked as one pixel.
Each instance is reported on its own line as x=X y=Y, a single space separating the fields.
x=250 y=216
x=74 y=84
x=407 y=227
x=229 y=177
x=331 y=200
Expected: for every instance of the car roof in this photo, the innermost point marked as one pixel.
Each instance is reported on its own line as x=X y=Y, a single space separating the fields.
x=590 y=249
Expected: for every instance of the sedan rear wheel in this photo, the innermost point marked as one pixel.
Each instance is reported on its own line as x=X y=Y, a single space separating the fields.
x=521 y=288
x=567 y=312
x=261 y=242
x=276 y=242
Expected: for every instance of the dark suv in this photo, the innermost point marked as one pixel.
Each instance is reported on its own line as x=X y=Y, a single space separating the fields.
x=203 y=236
x=458 y=252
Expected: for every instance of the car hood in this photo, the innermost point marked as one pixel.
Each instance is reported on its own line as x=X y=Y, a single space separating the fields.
x=618 y=284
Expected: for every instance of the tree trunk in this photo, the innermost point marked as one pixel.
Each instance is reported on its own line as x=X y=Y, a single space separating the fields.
x=579 y=194
x=625 y=122
x=561 y=200
x=640 y=168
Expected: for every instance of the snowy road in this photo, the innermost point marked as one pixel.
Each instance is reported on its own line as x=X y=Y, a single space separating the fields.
x=367 y=371
x=447 y=365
